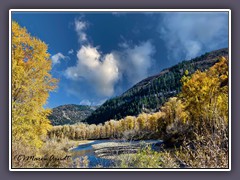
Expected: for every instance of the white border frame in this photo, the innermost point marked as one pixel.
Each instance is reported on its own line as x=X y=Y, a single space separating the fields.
x=116 y=10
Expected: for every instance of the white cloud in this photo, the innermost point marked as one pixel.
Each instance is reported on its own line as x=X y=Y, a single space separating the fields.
x=189 y=34
x=100 y=102
x=57 y=58
x=101 y=71
x=92 y=103
x=85 y=102
x=71 y=51
x=136 y=62
x=80 y=27
x=123 y=45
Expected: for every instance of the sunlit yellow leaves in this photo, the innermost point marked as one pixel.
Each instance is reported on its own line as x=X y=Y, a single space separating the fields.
x=31 y=84
x=174 y=111
x=205 y=94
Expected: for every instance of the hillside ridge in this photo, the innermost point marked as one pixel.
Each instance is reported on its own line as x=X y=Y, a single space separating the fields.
x=150 y=93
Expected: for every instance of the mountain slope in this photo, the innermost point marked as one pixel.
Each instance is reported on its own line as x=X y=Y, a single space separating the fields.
x=149 y=94
x=70 y=114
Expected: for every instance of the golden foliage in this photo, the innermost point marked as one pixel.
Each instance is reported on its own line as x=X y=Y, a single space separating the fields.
x=31 y=84
x=205 y=95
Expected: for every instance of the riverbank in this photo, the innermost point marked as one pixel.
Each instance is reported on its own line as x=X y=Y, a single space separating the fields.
x=75 y=144
x=111 y=149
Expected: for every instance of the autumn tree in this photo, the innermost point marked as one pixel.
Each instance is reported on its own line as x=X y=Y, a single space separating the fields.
x=141 y=119
x=153 y=121
x=31 y=84
x=205 y=95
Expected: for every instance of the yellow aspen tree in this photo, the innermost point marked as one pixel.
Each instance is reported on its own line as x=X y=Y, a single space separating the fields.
x=141 y=119
x=112 y=127
x=130 y=122
x=31 y=84
x=107 y=129
x=152 y=121
x=98 y=132
x=174 y=111
x=205 y=95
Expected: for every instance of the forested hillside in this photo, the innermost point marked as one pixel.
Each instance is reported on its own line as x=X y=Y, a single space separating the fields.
x=149 y=94
x=70 y=114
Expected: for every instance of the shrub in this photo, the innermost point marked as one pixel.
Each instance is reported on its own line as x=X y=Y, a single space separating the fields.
x=147 y=158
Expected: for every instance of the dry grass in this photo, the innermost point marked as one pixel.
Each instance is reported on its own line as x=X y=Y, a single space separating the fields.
x=81 y=162
x=206 y=153
x=53 y=154
x=146 y=158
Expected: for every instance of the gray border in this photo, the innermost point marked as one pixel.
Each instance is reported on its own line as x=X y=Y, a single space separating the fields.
x=5 y=5
x=115 y=169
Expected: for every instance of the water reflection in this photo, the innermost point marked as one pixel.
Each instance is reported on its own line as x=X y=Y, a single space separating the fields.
x=94 y=161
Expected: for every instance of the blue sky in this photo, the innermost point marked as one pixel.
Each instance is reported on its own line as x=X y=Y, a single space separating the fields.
x=99 y=55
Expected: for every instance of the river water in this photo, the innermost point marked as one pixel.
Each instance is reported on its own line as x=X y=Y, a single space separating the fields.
x=94 y=161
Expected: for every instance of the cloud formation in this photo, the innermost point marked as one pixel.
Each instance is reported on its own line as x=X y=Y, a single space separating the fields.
x=188 y=34
x=135 y=62
x=71 y=51
x=104 y=71
x=80 y=27
x=96 y=102
x=56 y=59
x=85 y=102
x=101 y=71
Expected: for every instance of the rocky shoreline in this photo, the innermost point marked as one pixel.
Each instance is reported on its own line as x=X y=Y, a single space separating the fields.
x=109 y=150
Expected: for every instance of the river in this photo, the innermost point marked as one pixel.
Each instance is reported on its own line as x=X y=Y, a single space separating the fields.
x=95 y=161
